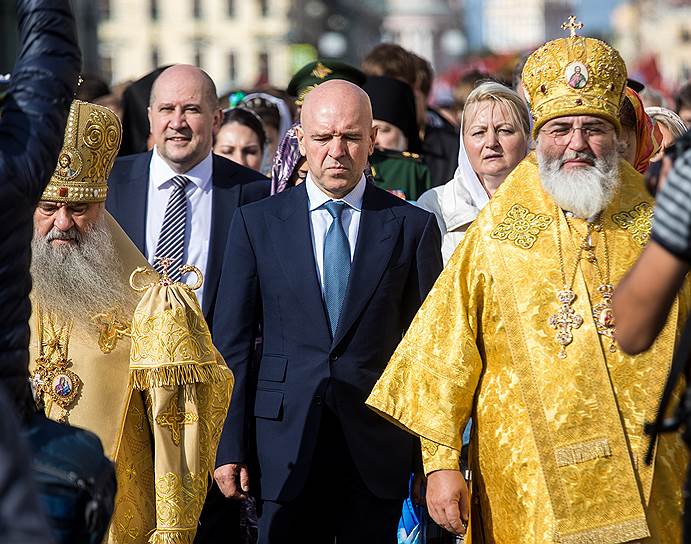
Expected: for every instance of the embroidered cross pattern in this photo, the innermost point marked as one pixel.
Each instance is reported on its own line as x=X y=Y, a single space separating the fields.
x=521 y=227
x=174 y=419
x=638 y=221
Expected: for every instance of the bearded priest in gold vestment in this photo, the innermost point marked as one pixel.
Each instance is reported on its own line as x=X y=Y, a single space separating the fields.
x=140 y=371
x=517 y=333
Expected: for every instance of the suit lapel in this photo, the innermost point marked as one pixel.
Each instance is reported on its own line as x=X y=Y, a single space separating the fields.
x=132 y=197
x=291 y=235
x=225 y=199
x=376 y=239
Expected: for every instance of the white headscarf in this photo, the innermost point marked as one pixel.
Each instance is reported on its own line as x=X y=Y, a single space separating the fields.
x=283 y=111
x=464 y=195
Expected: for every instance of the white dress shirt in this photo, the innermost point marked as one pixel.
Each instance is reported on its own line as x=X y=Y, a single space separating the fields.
x=320 y=219
x=199 y=206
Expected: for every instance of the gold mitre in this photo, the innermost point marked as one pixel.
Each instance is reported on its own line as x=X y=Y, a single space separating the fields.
x=92 y=141
x=574 y=76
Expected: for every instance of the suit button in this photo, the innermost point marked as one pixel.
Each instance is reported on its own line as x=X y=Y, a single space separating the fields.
x=333 y=357
x=317 y=400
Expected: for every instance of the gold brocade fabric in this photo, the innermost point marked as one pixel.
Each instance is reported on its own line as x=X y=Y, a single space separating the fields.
x=157 y=401
x=558 y=445
x=186 y=386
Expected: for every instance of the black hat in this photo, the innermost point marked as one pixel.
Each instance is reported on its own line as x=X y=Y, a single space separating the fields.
x=314 y=73
x=393 y=101
x=635 y=85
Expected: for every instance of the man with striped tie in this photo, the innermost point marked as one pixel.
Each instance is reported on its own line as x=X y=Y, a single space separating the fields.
x=176 y=201
x=333 y=271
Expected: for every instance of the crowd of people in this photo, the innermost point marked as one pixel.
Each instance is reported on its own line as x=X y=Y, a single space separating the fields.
x=334 y=312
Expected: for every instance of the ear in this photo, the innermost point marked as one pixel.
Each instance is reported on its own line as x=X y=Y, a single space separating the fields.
x=216 y=121
x=373 y=138
x=300 y=133
x=148 y=115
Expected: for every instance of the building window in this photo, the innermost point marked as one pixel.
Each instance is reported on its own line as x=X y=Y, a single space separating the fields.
x=106 y=63
x=232 y=67
x=153 y=9
x=198 y=55
x=197 y=9
x=264 y=68
x=230 y=8
x=104 y=10
x=155 y=57
x=264 y=7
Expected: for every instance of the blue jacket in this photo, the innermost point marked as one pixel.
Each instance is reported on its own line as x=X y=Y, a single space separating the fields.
x=34 y=114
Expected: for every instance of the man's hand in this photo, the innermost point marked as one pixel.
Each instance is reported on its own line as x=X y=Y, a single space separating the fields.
x=447 y=500
x=233 y=480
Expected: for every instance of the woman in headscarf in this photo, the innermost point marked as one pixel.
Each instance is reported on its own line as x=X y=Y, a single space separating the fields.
x=495 y=133
x=670 y=124
x=241 y=138
x=277 y=118
x=640 y=137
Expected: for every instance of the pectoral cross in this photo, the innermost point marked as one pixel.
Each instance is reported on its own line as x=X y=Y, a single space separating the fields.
x=571 y=25
x=565 y=320
x=174 y=418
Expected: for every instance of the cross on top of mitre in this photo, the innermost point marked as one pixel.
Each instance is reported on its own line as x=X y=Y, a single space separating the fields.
x=571 y=25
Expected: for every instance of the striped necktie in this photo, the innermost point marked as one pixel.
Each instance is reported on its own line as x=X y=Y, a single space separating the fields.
x=336 y=264
x=171 y=241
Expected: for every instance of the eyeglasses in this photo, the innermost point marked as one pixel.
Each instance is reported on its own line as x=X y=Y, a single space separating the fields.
x=562 y=134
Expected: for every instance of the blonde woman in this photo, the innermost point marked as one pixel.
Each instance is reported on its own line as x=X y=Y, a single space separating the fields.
x=495 y=136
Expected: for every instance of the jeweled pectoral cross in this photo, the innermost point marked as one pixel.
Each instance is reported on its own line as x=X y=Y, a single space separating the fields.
x=565 y=320
x=571 y=25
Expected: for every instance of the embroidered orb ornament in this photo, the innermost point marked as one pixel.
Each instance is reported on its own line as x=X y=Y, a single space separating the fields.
x=92 y=140
x=574 y=76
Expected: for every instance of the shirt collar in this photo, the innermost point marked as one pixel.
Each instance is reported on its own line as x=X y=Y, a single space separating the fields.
x=199 y=175
x=317 y=198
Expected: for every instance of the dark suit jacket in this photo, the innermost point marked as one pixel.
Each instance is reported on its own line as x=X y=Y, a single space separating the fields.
x=270 y=278
x=233 y=186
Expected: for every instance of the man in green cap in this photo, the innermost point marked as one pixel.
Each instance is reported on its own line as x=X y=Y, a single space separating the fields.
x=319 y=71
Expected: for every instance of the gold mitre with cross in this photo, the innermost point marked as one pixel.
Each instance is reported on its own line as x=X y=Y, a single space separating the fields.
x=92 y=141
x=574 y=76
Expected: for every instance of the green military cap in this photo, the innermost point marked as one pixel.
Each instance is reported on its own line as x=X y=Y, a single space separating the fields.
x=404 y=174
x=319 y=71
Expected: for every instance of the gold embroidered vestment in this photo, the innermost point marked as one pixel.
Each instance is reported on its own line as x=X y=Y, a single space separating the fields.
x=558 y=444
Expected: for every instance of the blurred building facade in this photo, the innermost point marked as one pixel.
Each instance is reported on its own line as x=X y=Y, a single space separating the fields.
x=654 y=37
x=238 y=42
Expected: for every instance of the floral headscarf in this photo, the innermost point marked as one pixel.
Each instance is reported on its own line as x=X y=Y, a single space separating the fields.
x=648 y=135
x=286 y=159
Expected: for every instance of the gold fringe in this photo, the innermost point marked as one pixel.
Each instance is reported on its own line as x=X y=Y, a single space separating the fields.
x=582 y=452
x=146 y=378
x=633 y=529
x=172 y=536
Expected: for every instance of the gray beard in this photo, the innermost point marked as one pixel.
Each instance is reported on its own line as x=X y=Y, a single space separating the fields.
x=585 y=191
x=78 y=281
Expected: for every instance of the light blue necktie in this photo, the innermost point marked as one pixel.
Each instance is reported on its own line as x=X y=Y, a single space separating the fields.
x=171 y=241
x=336 y=264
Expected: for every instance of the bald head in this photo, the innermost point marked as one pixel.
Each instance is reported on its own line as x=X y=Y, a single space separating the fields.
x=186 y=72
x=184 y=116
x=337 y=94
x=336 y=135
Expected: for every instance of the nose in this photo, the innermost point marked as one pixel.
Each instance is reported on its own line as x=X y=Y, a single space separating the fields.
x=337 y=148
x=63 y=219
x=578 y=141
x=491 y=139
x=178 y=119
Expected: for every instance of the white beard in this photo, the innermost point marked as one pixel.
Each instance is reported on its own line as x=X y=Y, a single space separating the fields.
x=584 y=191
x=79 y=280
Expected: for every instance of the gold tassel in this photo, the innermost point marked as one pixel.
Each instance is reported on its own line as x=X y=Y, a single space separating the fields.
x=172 y=536
x=146 y=378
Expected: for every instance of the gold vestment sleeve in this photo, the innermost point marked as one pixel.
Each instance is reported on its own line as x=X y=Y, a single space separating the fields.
x=187 y=388
x=437 y=457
